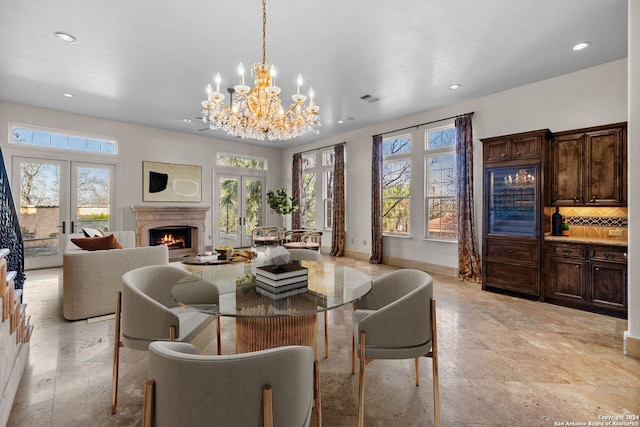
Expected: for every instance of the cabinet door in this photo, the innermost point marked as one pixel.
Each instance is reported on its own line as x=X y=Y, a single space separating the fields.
x=496 y=151
x=608 y=287
x=568 y=168
x=526 y=148
x=566 y=279
x=603 y=167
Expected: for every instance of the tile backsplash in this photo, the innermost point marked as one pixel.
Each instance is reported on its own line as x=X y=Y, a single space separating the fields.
x=604 y=223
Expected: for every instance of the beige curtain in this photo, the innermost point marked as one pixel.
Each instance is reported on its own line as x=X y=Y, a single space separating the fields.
x=296 y=190
x=468 y=260
x=376 y=201
x=337 y=234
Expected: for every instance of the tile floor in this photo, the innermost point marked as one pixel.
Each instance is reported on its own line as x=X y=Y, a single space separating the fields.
x=503 y=362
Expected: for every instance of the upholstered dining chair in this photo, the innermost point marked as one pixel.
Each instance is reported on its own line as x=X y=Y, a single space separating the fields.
x=146 y=312
x=307 y=255
x=273 y=387
x=396 y=320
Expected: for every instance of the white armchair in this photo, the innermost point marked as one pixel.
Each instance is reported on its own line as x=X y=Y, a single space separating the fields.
x=396 y=320
x=272 y=387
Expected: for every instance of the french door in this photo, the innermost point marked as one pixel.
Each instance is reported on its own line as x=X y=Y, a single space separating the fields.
x=59 y=197
x=240 y=208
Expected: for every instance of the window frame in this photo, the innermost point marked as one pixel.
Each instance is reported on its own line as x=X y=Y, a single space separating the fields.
x=405 y=156
x=430 y=153
x=320 y=167
x=65 y=133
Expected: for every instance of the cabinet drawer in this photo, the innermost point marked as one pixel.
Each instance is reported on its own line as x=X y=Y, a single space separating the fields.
x=512 y=251
x=512 y=277
x=568 y=250
x=608 y=253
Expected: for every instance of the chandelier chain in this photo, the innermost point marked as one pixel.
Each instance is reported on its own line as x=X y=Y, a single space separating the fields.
x=264 y=31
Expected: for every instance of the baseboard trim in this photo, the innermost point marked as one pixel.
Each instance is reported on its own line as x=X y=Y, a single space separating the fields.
x=406 y=263
x=631 y=345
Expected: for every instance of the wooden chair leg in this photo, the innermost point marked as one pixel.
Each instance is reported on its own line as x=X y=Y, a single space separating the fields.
x=149 y=402
x=267 y=406
x=318 y=394
x=361 y=381
x=172 y=333
x=434 y=365
x=326 y=336
x=218 y=336
x=417 y=361
x=116 y=354
x=353 y=353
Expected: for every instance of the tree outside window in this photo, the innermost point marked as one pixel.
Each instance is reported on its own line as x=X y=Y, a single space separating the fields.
x=396 y=185
x=441 y=184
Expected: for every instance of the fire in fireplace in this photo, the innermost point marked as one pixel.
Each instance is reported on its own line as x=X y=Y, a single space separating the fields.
x=174 y=237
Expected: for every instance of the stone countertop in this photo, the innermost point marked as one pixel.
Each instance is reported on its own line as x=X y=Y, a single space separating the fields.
x=585 y=240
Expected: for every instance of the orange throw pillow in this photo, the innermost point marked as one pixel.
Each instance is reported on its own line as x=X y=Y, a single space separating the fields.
x=97 y=243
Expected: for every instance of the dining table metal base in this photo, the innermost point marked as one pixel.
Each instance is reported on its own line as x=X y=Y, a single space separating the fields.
x=260 y=333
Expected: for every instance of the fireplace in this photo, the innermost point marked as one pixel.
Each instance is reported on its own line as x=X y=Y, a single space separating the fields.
x=185 y=224
x=174 y=237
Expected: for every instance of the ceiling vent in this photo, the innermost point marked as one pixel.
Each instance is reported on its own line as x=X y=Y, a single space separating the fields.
x=369 y=98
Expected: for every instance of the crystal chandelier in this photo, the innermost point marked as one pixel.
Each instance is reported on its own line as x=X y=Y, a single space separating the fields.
x=257 y=112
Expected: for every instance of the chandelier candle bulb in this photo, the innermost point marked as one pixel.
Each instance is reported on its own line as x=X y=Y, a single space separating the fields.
x=217 y=81
x=241 y=73
x=299 y=83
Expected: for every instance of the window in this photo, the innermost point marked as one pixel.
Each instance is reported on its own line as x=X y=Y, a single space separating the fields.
x=441 y=184
x=308 y=196
x=396 y=185
x=237 y=161
x=328 y=162
x=42 y=137
x=317 y=189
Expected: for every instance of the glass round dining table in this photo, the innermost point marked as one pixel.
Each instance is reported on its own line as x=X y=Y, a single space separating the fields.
x=265 y=320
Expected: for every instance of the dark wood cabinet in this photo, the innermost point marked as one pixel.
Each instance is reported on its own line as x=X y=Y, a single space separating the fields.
x=512 y=229
x=586 y=276
x=588 y=167
x=522 y=146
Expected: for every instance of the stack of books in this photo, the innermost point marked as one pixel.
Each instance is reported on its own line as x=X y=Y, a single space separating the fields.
x=281 y=281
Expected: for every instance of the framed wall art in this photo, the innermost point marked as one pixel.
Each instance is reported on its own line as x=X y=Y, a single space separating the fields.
x=171 y=182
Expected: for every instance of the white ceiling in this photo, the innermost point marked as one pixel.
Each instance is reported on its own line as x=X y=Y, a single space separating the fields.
x=148 y=62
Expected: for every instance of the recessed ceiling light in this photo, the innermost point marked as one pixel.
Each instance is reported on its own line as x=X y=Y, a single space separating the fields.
x=65 y=37
x=186 y=120
x=68 y=95
x=580 y=46
x=454 y=86
x=340 y=121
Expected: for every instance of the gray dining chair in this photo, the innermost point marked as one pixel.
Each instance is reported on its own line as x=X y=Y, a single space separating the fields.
x=146 y=312
x=396 y=320
x=273 y=387
x=310 y=255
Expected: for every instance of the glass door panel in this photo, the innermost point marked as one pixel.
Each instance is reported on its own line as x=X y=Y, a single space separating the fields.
x=254 y=192
x=43 y=200
x=228 y=224
x=512 y=193
x=92 y=196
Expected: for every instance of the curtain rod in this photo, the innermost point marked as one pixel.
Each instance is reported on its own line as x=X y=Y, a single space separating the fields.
x=321 y=148
x=426 y=123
